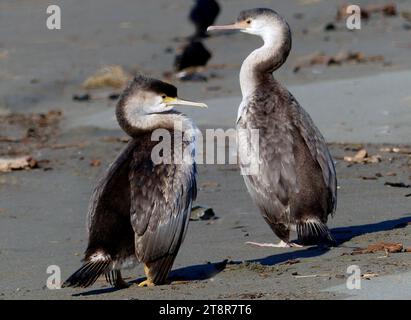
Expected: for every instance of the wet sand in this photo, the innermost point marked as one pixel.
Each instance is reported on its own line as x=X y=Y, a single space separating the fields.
x=42 y=211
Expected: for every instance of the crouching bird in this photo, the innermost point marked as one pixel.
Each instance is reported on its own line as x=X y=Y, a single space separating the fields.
x=140 y=209
x=295 y=185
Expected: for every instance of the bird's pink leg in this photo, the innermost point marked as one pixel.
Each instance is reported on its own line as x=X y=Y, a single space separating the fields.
x=281 y=244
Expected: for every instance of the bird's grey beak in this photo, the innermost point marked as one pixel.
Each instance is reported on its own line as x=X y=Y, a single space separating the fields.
x=181 y=102
x=234 y=26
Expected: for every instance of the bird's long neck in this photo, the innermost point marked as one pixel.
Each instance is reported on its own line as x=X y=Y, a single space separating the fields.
x=135 y=124
x=258 y=67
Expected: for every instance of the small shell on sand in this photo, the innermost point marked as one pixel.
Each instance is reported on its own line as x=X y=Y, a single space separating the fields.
x=201 y=213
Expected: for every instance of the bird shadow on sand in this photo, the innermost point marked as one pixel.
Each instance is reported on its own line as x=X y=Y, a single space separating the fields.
x=193 y=273
x=186 y=274
x=341 y=235
x=95 y=292
x=209 y=270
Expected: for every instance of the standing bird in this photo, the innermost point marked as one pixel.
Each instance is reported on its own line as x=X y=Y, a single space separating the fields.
x=295 y=187
x=202 y=15
x=140 y=209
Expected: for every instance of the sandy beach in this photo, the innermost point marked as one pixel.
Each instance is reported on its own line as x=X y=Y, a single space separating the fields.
x=355 y=105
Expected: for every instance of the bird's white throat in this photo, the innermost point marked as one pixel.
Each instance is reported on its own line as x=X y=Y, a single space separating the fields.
x=265 y=57
x=160 y=121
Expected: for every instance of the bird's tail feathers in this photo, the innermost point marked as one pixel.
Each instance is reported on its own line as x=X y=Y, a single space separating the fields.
x=113 y=277
x=314 y=231
x=89 y=272
x=160 y=269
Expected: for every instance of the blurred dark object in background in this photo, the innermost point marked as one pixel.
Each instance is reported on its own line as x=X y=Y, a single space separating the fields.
x=203 y=15
x=193 y=54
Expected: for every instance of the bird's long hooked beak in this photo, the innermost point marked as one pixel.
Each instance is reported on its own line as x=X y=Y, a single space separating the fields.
x=181 y=102
x=233 y=26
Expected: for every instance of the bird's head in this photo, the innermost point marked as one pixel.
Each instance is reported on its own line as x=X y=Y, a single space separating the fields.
x=263 y=22
x=146 y=96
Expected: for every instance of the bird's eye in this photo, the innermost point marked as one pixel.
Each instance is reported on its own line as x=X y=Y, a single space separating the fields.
x=248 y=21
x=164 y=96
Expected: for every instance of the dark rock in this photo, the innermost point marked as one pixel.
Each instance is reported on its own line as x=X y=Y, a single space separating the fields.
x=114 y=96
x=330 y=27
x=81 y=97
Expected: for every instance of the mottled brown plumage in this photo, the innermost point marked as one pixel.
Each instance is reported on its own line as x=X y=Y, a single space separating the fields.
x=295 y=186
x=296 y=180
x=139 y=210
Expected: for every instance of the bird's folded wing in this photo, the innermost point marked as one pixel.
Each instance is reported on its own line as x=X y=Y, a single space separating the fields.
x=276 y=180
x=319 y=150
x=161 y=198
x=106 y=197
